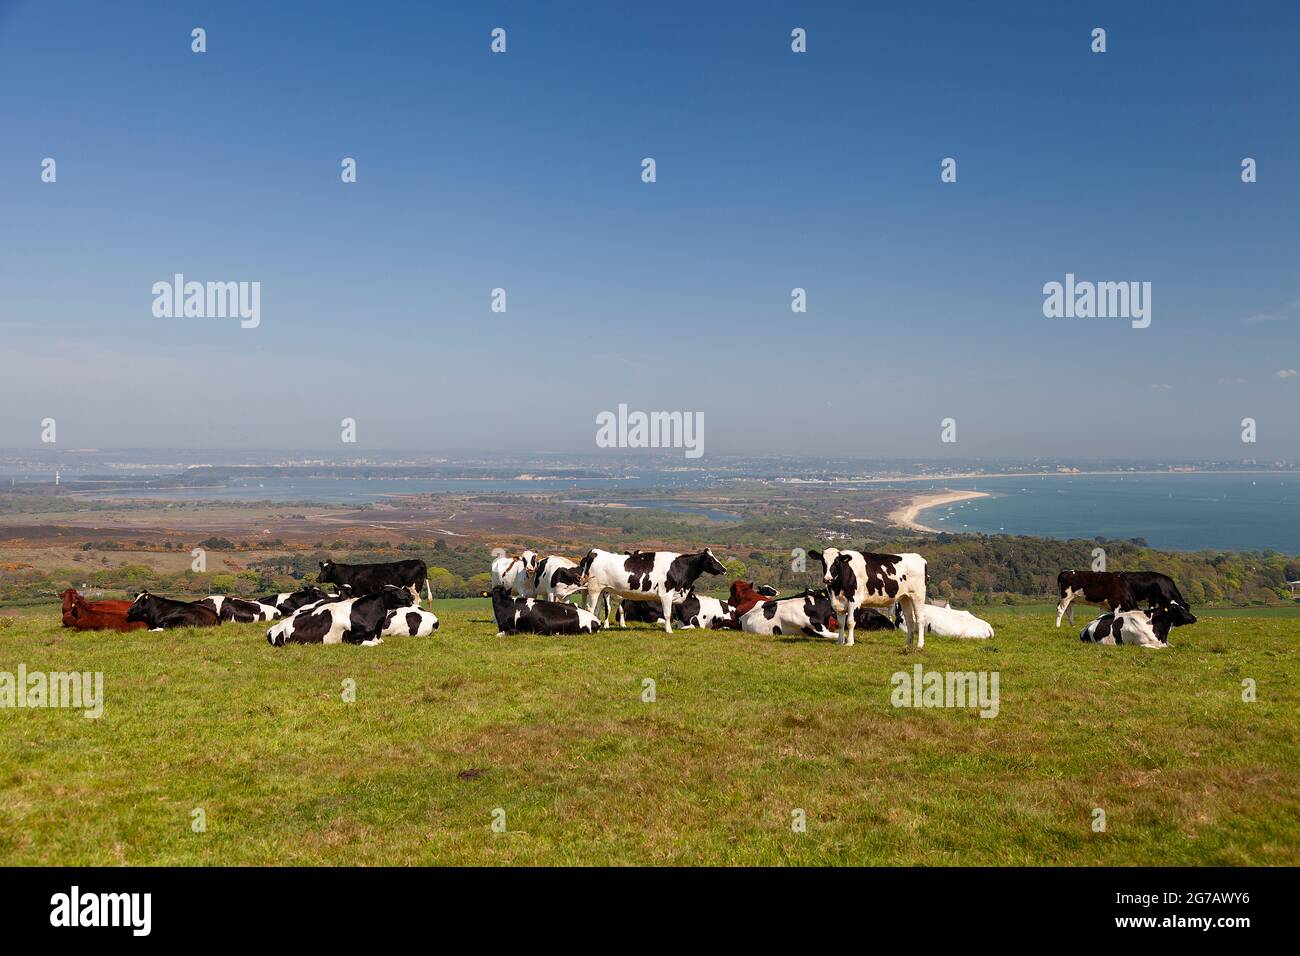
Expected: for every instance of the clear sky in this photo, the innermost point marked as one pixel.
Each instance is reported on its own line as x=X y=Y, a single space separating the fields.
x=522 y=170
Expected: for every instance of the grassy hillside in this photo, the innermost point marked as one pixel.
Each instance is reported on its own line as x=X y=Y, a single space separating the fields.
x=744 y=730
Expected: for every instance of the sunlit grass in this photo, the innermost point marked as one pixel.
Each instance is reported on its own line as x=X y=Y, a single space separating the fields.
x=744 y=731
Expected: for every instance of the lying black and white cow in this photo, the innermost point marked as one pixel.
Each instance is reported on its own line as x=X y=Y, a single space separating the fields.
x=696 y=611
x=1143 y=628
x=516 y=574
x=163 y=614
x=865 y=579
x=531 y=616
x=286 y=602
x=409 y=622
x=357 y=620
x=951 y=622
x=369 y=578
x=238 y=610
x=809 y=613
x=875 y=619
x=555 y=578
x=661 y=576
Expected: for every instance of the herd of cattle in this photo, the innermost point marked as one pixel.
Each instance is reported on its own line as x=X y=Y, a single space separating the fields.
x=861 y=590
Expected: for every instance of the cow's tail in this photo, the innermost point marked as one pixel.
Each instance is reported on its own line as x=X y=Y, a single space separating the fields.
x=427 y=589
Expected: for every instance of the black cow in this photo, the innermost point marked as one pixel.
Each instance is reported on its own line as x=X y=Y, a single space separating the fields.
x=161 y=614
x=1154 y=589
x=369 y=578
x=531 y=616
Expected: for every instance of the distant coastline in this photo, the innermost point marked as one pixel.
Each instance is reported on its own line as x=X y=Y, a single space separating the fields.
x=905 y=517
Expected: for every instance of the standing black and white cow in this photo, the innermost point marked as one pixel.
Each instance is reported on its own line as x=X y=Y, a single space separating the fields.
x=369 y=578
x=516 y=574
x=531 y=616
x=358 y=620
x=663 y=576
x=556 y=578
x=865 y=579
x=809 y=613
x=163 y=614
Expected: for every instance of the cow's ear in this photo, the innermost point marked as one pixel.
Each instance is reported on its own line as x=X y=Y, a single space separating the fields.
x=815 y=555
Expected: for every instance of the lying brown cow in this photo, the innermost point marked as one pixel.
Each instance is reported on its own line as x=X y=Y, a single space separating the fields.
x=86 y=615
x=744 y=596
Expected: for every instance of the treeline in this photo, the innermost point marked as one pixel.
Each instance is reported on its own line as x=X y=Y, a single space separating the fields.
x=966 y=569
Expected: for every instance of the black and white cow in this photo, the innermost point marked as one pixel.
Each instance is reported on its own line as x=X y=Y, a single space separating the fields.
x=369 y=578
x=663 y=576
x=238 y=610
x=556 y=578
x=516 y=574
x=409 y=622
x=357 y=620
x=286 y=602
x=865 y=579
x=696 y=611
x=1148 y=628
x=531 y=616
x=809 y=613
x=163 y=614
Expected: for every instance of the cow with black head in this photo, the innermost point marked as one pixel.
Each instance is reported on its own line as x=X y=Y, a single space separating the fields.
x=664 y=577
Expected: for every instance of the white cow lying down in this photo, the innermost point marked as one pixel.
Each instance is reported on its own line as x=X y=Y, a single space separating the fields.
x=950 y=622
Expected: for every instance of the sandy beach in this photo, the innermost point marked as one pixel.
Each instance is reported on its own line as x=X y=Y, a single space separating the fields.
x=905 y=517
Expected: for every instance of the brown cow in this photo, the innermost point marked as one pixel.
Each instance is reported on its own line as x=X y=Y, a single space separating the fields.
x=744 y=596
x=86 y=615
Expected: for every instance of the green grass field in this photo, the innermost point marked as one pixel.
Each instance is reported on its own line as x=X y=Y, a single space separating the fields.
x=745 y=730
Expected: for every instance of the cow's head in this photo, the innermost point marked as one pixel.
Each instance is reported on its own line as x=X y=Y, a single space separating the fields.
x=326 y=575
x=584 y=566
x=827 y=558
x=711 y=564
x=136 y=612
x=529 y=559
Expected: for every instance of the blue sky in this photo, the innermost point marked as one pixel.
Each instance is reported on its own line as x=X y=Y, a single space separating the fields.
x=775 y=170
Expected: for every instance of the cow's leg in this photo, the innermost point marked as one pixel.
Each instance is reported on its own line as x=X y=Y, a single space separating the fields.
x=846 y=624
x=593 y=600
x=1063 y=605
x=666 y=603
x=917 y=632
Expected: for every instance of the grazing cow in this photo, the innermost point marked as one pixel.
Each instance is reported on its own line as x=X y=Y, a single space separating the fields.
x=865 y=579
x=1154 y=589
x=1145 y=628
x=286 y=602
x=530 y=616
x=744 y=595
x=809 y=613
x=663 y=576
x=83 y=615
x=516 y=574
x=950 y=622
x=557 y=578
x=409 y=622
x=1108 y=589
x=163 y=614
x=369 y=578
x=356 y=620
x=239 y=611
